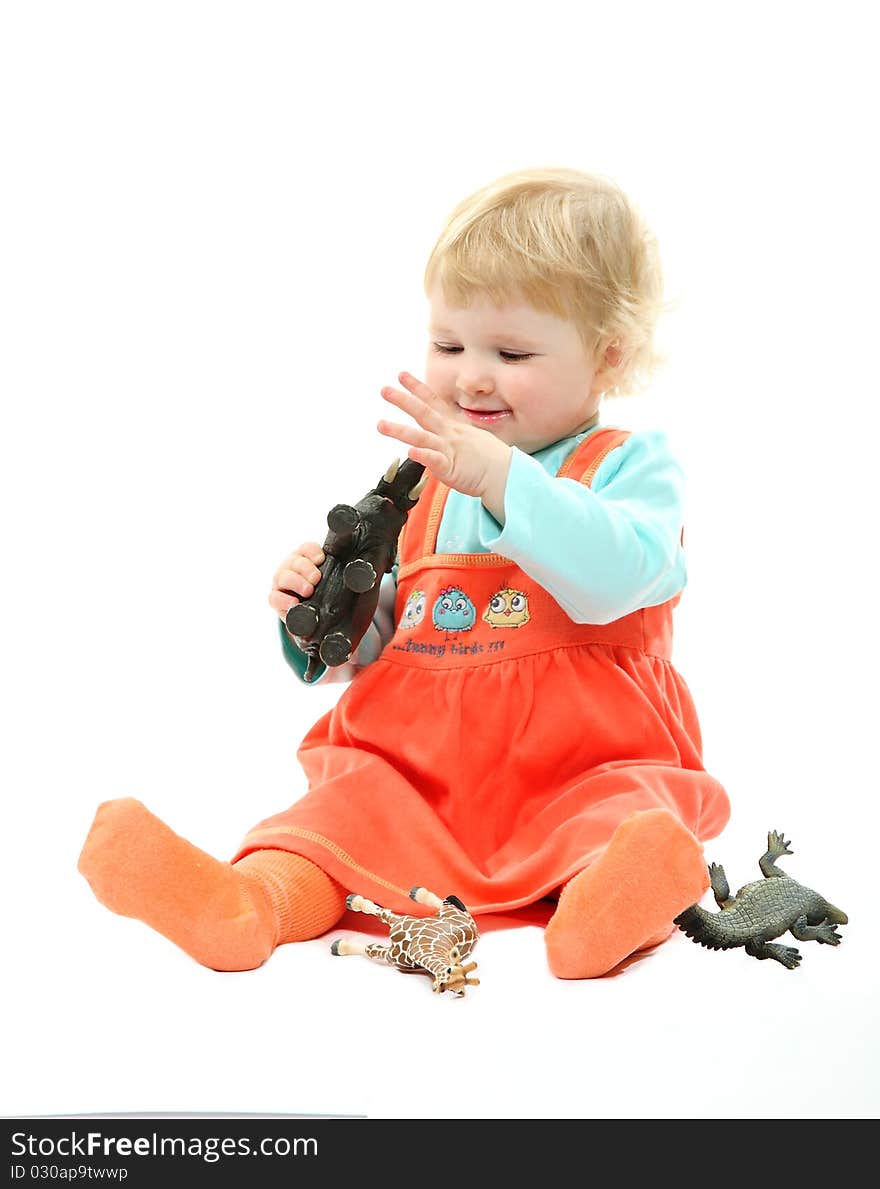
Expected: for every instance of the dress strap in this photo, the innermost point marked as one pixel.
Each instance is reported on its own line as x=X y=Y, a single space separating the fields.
x=586 y=458
x=419 y=536
x=419 y=522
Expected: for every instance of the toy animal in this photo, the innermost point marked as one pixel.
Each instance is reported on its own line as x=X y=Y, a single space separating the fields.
x=763 y=910
x=359 y=549
x=433 y=945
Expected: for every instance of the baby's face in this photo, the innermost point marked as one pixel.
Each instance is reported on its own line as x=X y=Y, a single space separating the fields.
x=522 y=374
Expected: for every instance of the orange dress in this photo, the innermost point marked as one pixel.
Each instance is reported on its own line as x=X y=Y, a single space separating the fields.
x=494 y=746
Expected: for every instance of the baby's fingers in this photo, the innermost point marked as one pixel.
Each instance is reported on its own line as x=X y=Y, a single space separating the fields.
x=421 y=389
x=312 y=550
x=417 y=408
x=297 y=578
x=410 y=434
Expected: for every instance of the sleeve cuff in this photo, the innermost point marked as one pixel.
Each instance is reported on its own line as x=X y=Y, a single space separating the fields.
x=296 y=658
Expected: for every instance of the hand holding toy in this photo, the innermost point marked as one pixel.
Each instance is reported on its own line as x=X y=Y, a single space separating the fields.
x=359 y=549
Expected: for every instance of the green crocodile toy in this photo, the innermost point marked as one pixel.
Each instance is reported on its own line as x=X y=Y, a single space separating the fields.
x=763 y=910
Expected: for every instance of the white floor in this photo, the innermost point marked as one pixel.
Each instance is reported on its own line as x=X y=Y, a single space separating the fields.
x=104 y=1016
x=118 y=1022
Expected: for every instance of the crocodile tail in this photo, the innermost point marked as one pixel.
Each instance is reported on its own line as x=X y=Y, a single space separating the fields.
x=705 y=928
x=837 y=915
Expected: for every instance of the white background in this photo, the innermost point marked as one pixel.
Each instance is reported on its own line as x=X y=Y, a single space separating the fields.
x=215 y=221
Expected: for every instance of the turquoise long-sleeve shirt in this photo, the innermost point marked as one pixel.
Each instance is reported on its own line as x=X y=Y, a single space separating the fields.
x=601 y=551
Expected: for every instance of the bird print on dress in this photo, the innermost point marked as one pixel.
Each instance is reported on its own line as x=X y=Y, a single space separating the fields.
x=507 y=608
x=413 y=610
x=453 y=611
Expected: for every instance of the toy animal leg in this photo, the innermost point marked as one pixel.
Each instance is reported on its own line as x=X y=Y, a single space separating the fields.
x=825 y=932
x=342 y=520
x=423 y=896
x=776 y=847
x=302 y=620
x=359 y=575
x=786 y=954
x=356 y=903
x=335 y=648
x=379 y=952
x=343 y=946
x=720 y=886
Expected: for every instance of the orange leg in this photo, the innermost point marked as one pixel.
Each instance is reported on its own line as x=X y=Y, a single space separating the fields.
x=626 y=900
x=228 y=917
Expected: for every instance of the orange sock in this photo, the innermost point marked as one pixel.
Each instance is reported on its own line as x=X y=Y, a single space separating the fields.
x=626 y=900
x=228 y=917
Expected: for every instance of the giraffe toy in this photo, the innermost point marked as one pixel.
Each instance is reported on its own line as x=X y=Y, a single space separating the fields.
x=434 y=945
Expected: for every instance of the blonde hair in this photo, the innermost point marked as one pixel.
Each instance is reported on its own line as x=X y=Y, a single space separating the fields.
x=569 y=243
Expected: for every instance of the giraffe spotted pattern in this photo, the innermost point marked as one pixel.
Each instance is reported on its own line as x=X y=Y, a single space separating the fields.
x=434 y=945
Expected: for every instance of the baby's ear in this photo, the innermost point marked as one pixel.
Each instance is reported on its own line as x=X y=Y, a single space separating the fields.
x=607 y=360
x=612 y=356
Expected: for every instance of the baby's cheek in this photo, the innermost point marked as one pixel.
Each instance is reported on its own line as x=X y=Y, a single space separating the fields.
x=439 y=377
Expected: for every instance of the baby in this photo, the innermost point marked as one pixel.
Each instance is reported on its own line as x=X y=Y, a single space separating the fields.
x=513 y=729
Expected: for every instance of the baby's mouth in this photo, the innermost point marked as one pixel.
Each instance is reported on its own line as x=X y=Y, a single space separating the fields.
x=485 y=416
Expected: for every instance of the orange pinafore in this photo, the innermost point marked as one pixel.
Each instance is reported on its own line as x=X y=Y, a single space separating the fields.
x=494 y=746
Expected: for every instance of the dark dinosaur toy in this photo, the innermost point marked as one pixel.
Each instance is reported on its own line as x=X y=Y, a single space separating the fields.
x=763 y=910
x=360 y=548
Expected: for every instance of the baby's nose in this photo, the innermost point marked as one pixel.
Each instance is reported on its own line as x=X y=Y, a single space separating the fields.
x=475 y=382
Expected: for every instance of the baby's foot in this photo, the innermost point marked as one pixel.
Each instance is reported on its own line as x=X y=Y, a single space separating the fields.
x=626 y=900
x=140 y=868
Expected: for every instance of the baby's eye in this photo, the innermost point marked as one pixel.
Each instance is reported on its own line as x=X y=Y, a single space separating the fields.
x=507 y=356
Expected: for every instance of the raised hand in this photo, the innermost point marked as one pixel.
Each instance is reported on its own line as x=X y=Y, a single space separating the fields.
x=463 y=456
